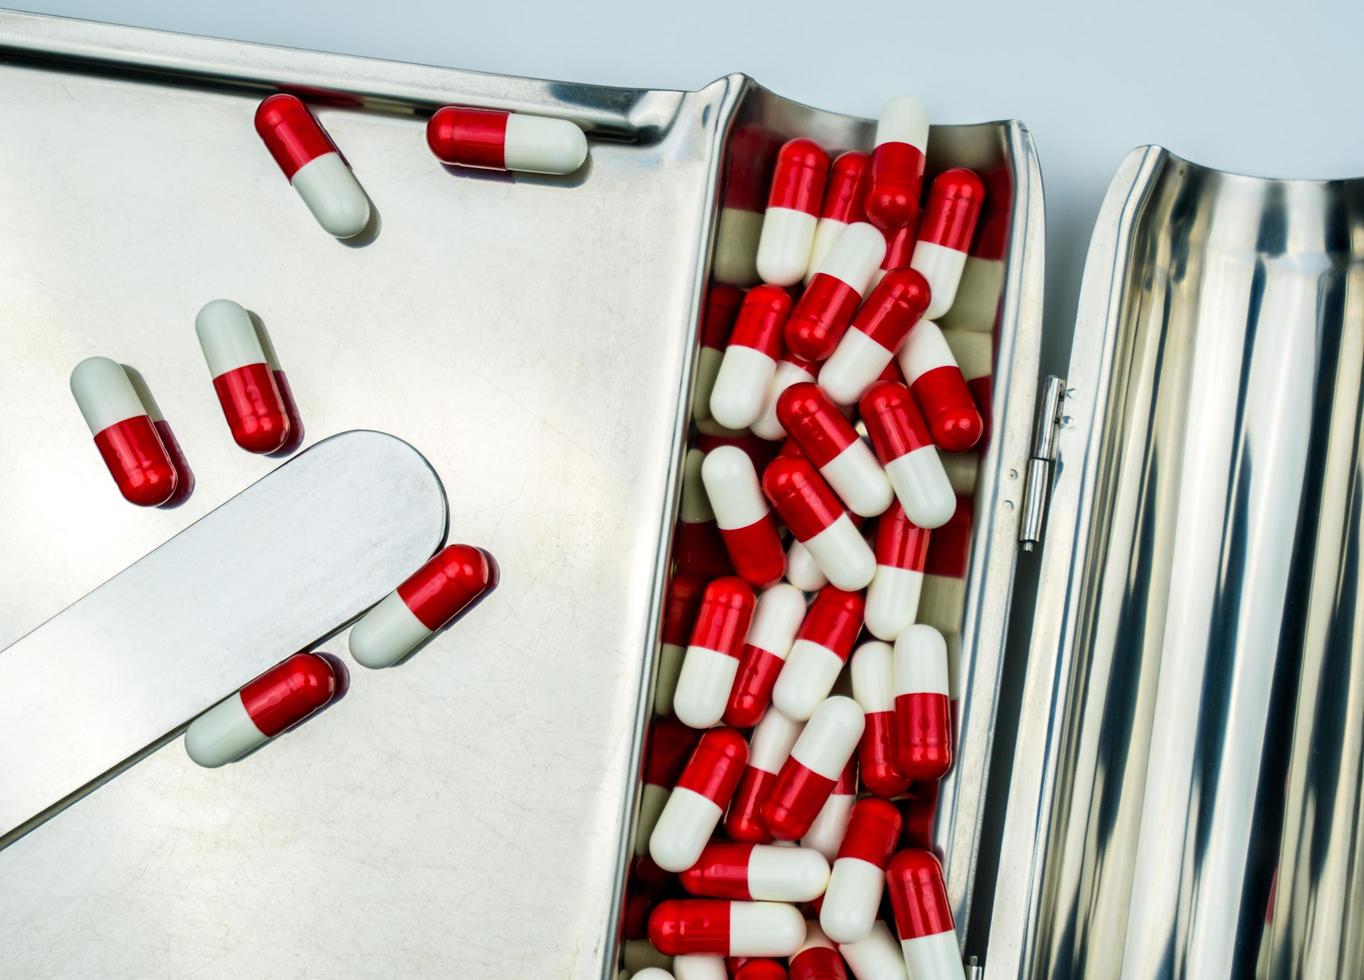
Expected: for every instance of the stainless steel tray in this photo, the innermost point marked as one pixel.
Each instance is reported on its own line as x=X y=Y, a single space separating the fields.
x=534 y=339
x=1187 y=780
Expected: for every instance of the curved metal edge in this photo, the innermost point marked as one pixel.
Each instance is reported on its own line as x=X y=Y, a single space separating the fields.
x=993 y=561
x=1028 y=828
x=719 y=104
x=604 y=111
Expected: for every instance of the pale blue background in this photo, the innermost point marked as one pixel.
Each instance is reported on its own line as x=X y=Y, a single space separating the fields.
x=1253 y=86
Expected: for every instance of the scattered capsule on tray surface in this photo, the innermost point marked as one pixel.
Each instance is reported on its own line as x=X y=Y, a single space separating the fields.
x=278 y=699
x=313 y=165
x=431 y=598
x=495 y=139
x=124 y=433
x=245 y=385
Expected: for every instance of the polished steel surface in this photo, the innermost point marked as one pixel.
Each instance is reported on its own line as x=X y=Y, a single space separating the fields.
x=460 y=814
x=1199 y=587
x=120 y=669
x=467 y=813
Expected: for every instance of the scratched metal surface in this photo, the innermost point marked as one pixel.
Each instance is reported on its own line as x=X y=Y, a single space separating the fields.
x=462 y=815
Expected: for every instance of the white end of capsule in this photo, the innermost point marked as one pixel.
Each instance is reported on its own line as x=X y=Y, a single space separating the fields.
x=805 y=680
x=764 y=929
x=852 y=900
x=892 y=601
x=386 y=633
x=903 y=120
x=538 y=145
x=784 y=248
x=921 y=662
x=731 y=483
x=693 y=966
x=856 y=362
x=923 y=487
x=934 y=957
x=801 y=570
x=786 y=874
x=741 y=385
x=333 y=195
x=942 y=267
x=842 y=554
x=826 y=233
x=855 y=256
x=222 y=734
x=826 y=833
x=875 y=957
x=104 y=393
x=703 y=687
x=857 y=478
x=830 y=737
x=686 y=823
x=873 y=676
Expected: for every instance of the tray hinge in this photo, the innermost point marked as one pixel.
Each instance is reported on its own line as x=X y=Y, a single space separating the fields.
x=975 y=969
x=1037 y=488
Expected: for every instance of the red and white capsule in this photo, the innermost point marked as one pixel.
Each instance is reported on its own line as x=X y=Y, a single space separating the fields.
x=722 y=307
x=876 y=956
x=880 y=327
x=897 y=164
x=757 y=873
x=791 y=370
x=923 y=714
x=242 y=378
x=792 y=213
x=434 y=596
x=697 y=546
x=698 y=801
x=817 y=759
x=821 y=648
x=849 y=177
x=494 y=139
x=949 y=224
x=836 y=289
x=816 y=517
x=905 y=447
x=873 y=686
x=859 y=873
x=278 y=699
x=829 y=441
x=780 y=612
x=923 y=916
x=901 y=557
x=712 y=658
x=719 y=927
x=826 y=833
x=679 y=616
x=750 y=360
x=313 y=165
x=817 y=959
x=670 y=745
x=768 y=750
x=125 y=436
x=746 y=524
x=940 y=389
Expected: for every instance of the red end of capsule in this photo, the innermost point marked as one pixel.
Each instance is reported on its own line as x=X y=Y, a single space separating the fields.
x=799 y=494
x=798 y=181
x=291 y=133
x=449 y=585
x=286 y=694
x=954 y=205
x=138 y=462
x=469 y=137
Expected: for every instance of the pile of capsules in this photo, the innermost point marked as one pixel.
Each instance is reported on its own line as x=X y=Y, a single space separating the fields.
x=777 y=813
x=150 y=469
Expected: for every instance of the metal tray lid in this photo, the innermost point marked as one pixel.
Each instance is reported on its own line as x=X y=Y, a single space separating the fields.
x=1199 y=591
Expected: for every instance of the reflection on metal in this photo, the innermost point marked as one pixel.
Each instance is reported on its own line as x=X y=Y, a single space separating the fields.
x=1200 y=588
